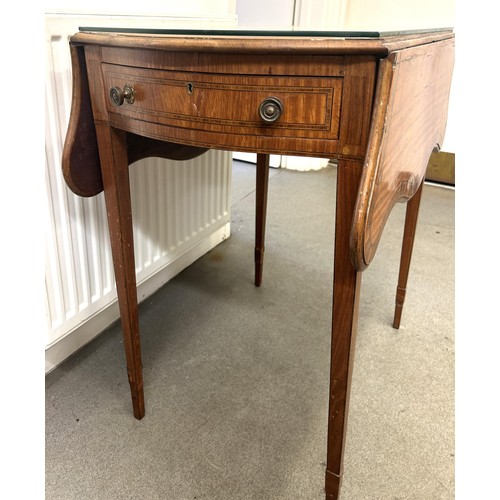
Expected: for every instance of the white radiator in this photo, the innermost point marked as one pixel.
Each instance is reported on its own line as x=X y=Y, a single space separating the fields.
x=180 y=211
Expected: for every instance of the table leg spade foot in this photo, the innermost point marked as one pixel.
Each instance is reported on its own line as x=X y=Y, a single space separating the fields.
x=412 y=209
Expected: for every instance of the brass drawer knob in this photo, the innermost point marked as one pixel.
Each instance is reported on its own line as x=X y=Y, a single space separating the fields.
x=117 y=95
x=271 y=109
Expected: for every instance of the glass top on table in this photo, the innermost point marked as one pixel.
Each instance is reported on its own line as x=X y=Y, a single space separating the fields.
x=262 y=33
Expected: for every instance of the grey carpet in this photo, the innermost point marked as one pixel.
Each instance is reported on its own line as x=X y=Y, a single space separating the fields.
x=236 y=377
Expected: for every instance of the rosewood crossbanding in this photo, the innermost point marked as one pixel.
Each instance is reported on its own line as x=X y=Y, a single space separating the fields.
x=376 y=103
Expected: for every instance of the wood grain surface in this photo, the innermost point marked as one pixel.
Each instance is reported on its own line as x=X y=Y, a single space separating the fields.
x=408 y=124
x=377 y=105
x=81 y=165
x=310 y=45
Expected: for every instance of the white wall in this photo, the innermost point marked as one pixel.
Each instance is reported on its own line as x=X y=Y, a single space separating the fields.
x=398 y=14
x=263 y=14
x=168 y=8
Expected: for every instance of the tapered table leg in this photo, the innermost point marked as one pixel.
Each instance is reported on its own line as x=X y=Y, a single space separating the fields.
x=262 y=182
x=346 y=288
x=412 y=208
x=115 y=175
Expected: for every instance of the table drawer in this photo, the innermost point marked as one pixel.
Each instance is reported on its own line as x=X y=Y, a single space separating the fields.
x=230 y=104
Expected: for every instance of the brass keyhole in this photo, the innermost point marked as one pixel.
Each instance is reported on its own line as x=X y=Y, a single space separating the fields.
x=190 y=88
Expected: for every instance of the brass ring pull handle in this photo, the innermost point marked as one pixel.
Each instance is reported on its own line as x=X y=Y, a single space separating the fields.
x=117 y=95
x=271 y=109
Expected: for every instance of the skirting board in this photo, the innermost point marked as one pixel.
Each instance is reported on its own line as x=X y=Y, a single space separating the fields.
x=83 y=334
